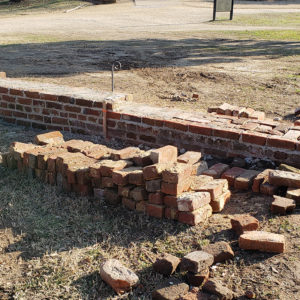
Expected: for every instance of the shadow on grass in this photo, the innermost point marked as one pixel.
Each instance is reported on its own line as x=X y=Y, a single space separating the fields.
x=74 y=57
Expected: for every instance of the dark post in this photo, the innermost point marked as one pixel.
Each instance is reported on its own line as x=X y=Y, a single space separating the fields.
x=214 y=13
x=231 y=11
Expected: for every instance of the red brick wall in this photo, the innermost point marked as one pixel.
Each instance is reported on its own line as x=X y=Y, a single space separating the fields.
x=51 y=112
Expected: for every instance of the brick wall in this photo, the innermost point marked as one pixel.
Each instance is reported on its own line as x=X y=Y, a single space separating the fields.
x=223 y=136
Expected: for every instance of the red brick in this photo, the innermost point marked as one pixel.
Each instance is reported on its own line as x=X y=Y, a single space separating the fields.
x=147 y=138
x=166 y=154
x=141 y=206
x=195 y=217
x=126 y=153
x=174 y=188
x=171 y=213
x=124 y=190
x=24 y=101
x=189 y=157
x=245 y=180
x=279 y=142
x=16 y=92
x=192 y=201
x=242 y=223
x=154 y=171
x=3 y=90
x=156 y=198
x=219 y=202
x=121 y=177
x=216 y=170
x=227 y=133
x=294 y=193
x=131 y=118
x=142 y=159
x=111 y=196
x=254 y=138
x=83 y=102
x=48 y=97
x=268 y=189
x=202 y=129
x=128 y=203
x=153 y=122
x=153 y=186
x=177 y=173
x=282 y=205
x=92 y=112
x=283 y=178
x=107 y=182
x=54 y=138
x=170 y=201
x=156 y=211
x=297 y=123
x=262 y=241
x=232 y=174
x=71 y=108
x=176 y=125
x=258 y=115
x=259 y=179
x=138 y=194
x=61 y=121
x=215 y=188
x=35 y=95
x=113 y=115
x=9 y=98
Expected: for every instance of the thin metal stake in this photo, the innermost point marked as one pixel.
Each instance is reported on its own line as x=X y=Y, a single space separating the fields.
x=116 y=66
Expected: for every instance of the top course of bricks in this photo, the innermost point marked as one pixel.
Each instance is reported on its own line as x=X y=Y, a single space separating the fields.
x=225 y=132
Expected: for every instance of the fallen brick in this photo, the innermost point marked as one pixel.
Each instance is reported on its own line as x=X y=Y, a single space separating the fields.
x=54 y=138
x=192 y=201
x=199 y=181
x=293 y=193
x=221 y=251
x=231 y=174
x=216 y=188
x=285 y=167
x=177 y=173
x=142 y=159
x=155 y=210
x=217 y=288
x=196 y=261
x=258 y=115
x=78 y=145
x=170 y=290
x=126 y=153
x=216 y=170
x=109 y=166
x=189 y=157
x=268 y=189
x=195 y=217
x=197 y=279
x=166 y=154
x=245 y=180
x=282 y=205
x=120 y=278
x=17 y=149
x=262 y=241
x=154 y=171
x=283 y=178
x=242 y=223
x=97 y=152
x=259 y=179
x=166 y=264
x=219 y=203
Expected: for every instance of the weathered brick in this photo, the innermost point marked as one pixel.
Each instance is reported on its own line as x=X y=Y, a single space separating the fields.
x=197 y=279
x=189 y=157
x=294 y=193
x=171 y=213
x=215 y=188
x=17 y=149
x=243 y=223
x=124 y=191
x=54 y=138
x=199 y=168
x=254 y=138
x=170 y=201
x=282 y=205
x=268 y=189
x=216 y=170
x=245 y=180
x=195 y=217
x=196 y=261
x=109 y=166
x=155 y=210
x=153 y=186
x=192 y=201
x=111 y=196
x=176 y=188
x=280 y=142
x=129 y=203
x=259 y=179
x=142 y=159
x=262 y=241
x=107 y=182
x=231 y=174
x=177 y=173
x=219 y=202
x=283 y=178
x=166 y=264
x=220 y=250
x=166 y=154
x=156 y=198
x=138 y=194
x=136 y=177
x=141 y=206
x=121 y=177
x=126 y=153
x=154 y=171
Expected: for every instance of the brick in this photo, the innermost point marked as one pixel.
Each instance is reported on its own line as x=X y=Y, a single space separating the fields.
x=156 y=198
x=170 y=201
x=262 y=241
x=141 y=206
x=171 y=213
x=215 y=188
x=136 y=177
x=192 y=201
x=280 y=142
x=231 y=174
x=121 y=177
x=282 y=205
x=254 y=138
x=155 y=210
x=268 y=189
x=216 y=170
x=129 y=203
x=153 y=186
x=221 y=251
x=294 y=193
x=259 y=179
x=197 y=279
x=177 y=173
x=199 y=168
x=142 y=159
x=107 y=182
x=258 y=115
x=218 y=289
x=173 y=289
x=126 y=153
x=225 y=109
x=219 y=203
x=95 y=170
x=96 y=151
x=98 y=193
x=227 y=133
x=82 y=189
x=176 y=125
x=138 y=194
x=96 y=182
x=199 y=181
x=297 y=123
x=166 y=264
x=109 y=166
x=243 y=223
x=174 y=188
x=111 y=196
x=154 y=171
x=54 y=138
x=189 y=157
x=245 y=180
x=195 y=217
x=17 y=149
x=124 y=191
x=246 y=113
x=292 y=134
x=196 y=261
x=202 y=129
x=166 y=154
x=283 y=178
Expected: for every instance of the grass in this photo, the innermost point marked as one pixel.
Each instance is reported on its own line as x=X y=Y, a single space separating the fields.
x=274 y=19
x=274 y=35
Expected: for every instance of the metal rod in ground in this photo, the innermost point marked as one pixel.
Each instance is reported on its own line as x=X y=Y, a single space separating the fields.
x=115 y=67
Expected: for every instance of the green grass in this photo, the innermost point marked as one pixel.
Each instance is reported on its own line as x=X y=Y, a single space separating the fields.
x=274 y=19
x=274 y=35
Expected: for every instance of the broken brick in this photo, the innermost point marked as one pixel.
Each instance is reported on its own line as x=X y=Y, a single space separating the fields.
x=192 y=201
x=166 y=154
x=189 y=157
x=216 y=170
x=282 y=205
x=242 y=223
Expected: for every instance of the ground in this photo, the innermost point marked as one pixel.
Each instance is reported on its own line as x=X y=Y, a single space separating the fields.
x=52 y=243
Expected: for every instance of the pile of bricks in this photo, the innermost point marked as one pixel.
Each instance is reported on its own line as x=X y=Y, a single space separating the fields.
x=157 y=182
